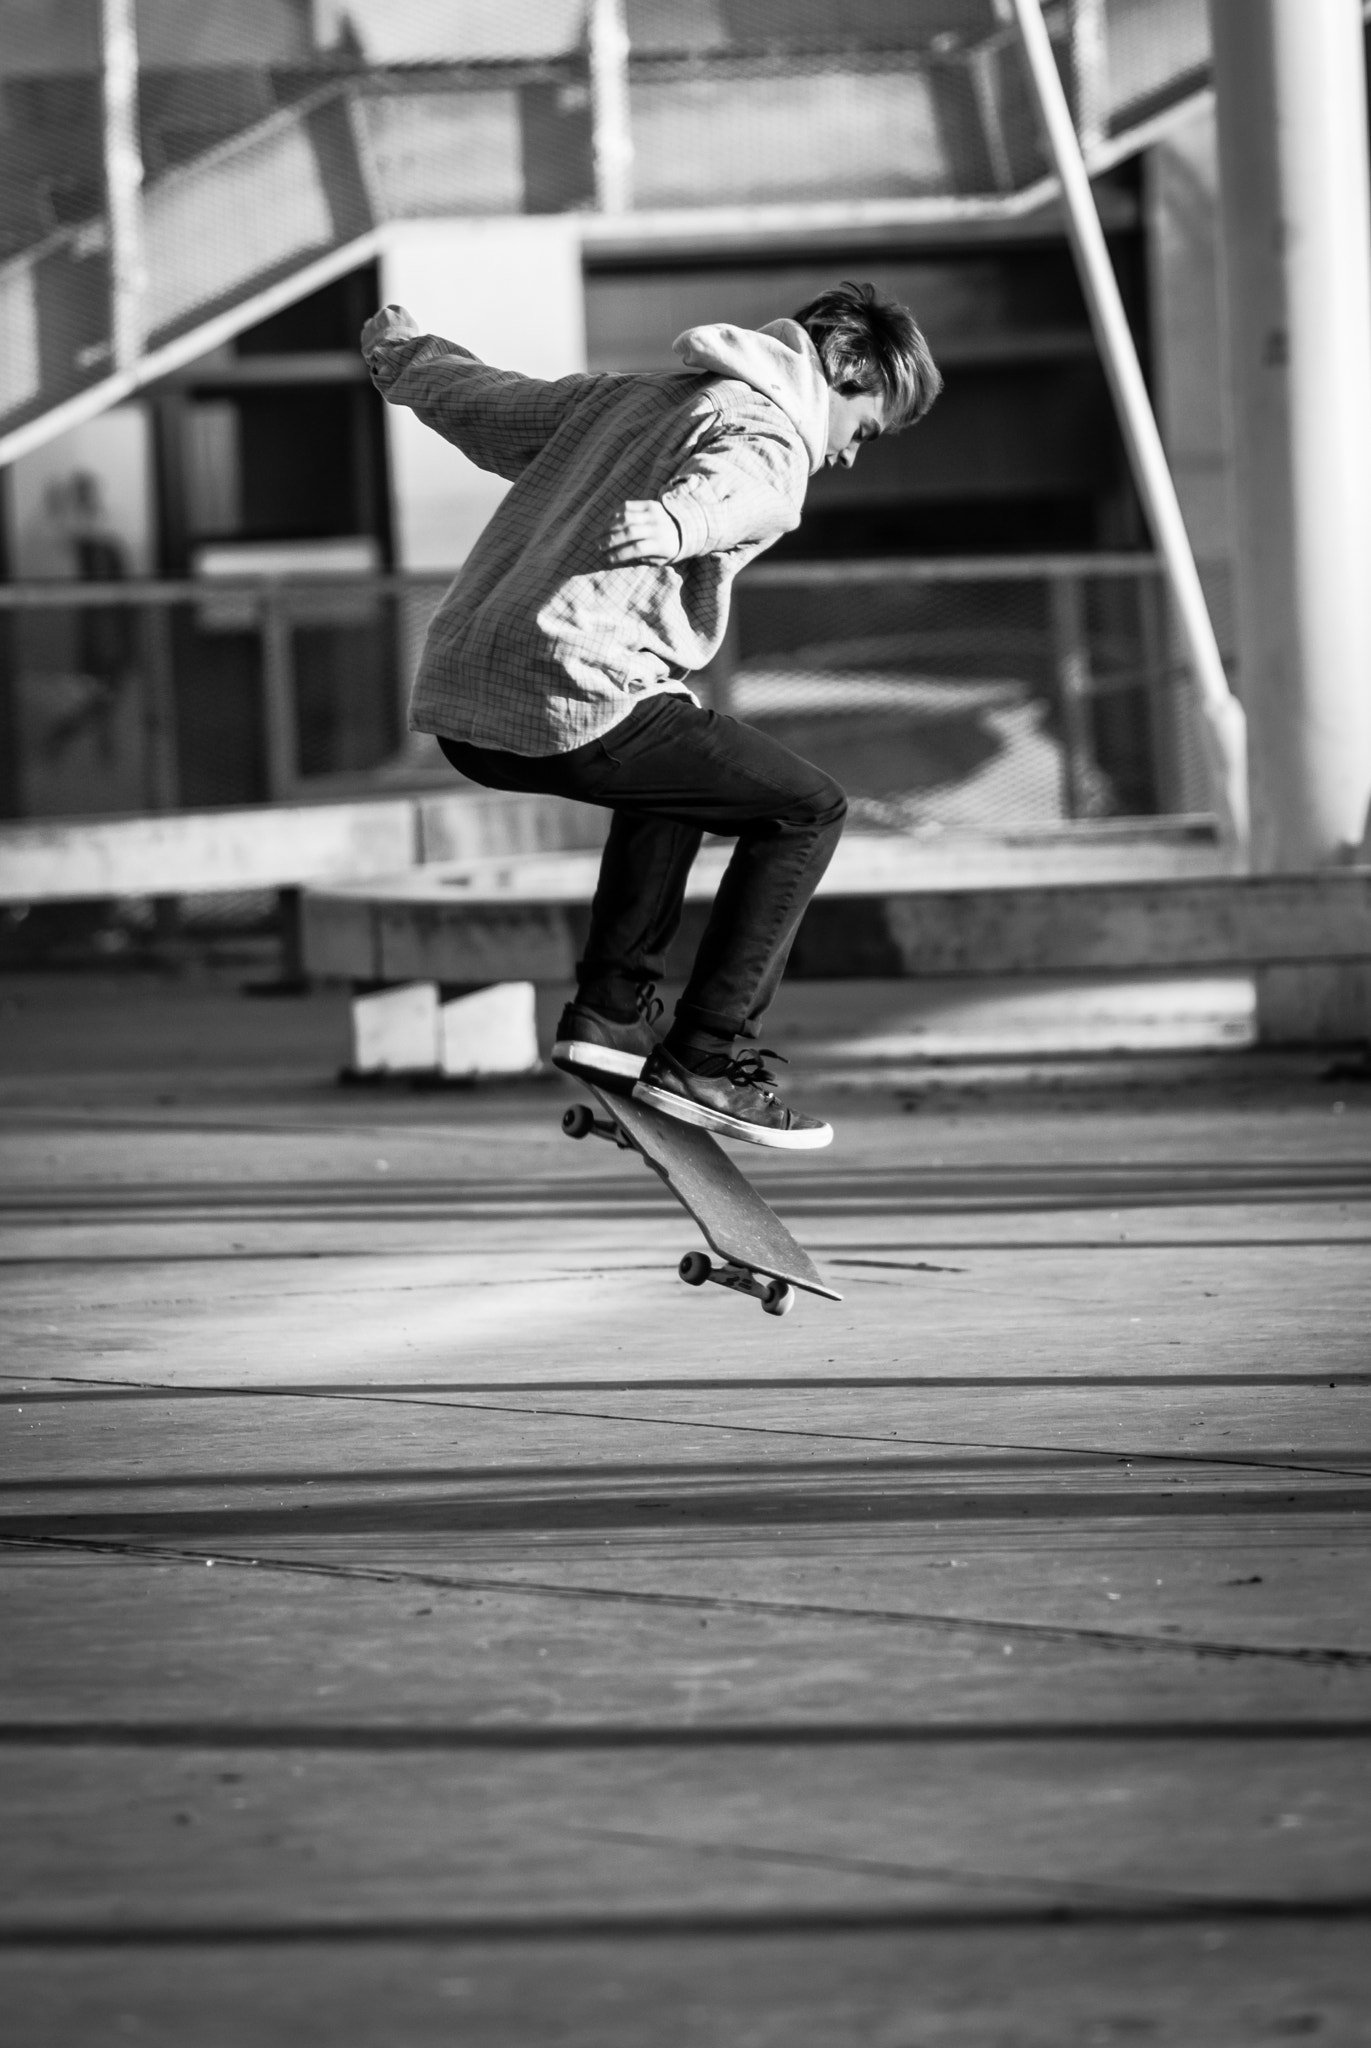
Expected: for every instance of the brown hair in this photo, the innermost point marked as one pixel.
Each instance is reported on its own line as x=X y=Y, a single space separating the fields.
x=867 y=343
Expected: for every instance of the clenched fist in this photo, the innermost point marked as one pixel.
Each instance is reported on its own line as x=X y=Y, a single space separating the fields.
x=644 y=532
x=392 y=323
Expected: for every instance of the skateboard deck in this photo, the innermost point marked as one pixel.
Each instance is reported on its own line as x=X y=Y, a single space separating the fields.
x=760 y=1256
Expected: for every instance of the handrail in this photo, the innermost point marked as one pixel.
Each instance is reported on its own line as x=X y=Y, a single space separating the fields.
x=950 y=569
x=55 y=595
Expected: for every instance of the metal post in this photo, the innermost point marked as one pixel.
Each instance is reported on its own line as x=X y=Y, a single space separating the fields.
x=612 y=133
x=162 y=773
x=1221 y=716
x=123 y=182
x=1071 y=659
x=1297 y=284
x=278 y=691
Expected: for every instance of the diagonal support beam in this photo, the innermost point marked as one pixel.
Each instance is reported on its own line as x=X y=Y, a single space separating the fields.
x=1222 y=721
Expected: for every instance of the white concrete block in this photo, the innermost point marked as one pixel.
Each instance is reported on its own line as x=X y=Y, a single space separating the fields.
x=490 y=1032
x=395 y=1031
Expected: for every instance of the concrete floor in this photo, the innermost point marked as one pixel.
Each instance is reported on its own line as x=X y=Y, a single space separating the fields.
x=424 y=1620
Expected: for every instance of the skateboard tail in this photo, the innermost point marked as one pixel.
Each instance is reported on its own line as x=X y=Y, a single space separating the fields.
x=798 y=1257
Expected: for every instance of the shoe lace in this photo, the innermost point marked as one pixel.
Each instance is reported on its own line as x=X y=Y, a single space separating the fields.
x=747 y=1070
x=650 y=1004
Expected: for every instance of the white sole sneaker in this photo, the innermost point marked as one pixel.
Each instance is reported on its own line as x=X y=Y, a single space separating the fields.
x=579 y=1056
x=812 y=1139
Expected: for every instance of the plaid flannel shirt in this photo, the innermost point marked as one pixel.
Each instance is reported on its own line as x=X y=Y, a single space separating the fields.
x=538 y=647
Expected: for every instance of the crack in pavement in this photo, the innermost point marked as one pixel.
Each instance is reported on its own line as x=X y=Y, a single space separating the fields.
x=1106 y=1455
x=1032 y=1631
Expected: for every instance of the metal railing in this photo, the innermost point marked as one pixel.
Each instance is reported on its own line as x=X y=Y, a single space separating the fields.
x=309 y=672
x=976 y=693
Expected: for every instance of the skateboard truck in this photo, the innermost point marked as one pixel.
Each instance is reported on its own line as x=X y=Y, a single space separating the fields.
x=776 y=1296
x=582 y=1122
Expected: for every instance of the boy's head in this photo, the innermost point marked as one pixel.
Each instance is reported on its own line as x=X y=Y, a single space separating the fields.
x=880 y=371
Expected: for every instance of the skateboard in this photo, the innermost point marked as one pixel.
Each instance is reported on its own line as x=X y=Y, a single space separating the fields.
x=760 y=1257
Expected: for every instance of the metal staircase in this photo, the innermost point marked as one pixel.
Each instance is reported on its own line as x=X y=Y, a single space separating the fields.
x=219 y=196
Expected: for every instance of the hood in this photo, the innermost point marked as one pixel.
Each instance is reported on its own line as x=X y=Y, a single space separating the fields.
x=779 y=360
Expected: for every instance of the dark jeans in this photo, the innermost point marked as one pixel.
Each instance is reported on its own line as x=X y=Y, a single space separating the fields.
x=670 y=773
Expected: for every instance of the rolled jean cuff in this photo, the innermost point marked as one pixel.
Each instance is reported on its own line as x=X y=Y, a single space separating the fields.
x=689 y=1018
x=613 y=992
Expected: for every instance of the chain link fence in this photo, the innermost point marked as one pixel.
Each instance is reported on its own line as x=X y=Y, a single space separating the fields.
x=157 y=696
x=975 y=696
x=981 y=696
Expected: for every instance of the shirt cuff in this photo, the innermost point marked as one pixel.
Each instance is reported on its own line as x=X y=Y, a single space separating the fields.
x=692 y=523
x=386 y=359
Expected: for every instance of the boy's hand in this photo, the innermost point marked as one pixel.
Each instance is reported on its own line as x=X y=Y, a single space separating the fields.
x=392 y=323
x=644 y=532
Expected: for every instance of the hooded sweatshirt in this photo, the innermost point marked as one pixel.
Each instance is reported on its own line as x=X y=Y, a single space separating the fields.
x=538 y=646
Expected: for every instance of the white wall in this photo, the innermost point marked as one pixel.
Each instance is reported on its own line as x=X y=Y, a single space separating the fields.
x=406 y=31
x=511 y=291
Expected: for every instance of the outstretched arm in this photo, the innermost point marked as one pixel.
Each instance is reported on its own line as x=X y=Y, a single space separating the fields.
x=496 y=417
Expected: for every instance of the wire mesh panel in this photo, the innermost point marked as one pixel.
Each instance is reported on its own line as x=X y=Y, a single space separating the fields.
x=1151 y=51
x=765 y=100
x=964 y=695
x=973 y=696
x=144 y=696
x=54 y=230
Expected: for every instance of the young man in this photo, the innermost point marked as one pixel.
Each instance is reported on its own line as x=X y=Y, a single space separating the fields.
x=557 y=662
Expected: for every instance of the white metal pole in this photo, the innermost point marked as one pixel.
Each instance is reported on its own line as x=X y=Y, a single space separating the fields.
x=123 y=182
x=611 y=128
x=1297 y=285
x=1221 y=715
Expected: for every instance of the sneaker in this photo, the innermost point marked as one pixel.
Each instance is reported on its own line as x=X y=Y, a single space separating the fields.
x=603 y=1048
x=738 y=1101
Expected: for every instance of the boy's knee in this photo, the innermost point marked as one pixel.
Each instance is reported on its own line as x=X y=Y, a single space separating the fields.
x=829 y=805
x=812 y=806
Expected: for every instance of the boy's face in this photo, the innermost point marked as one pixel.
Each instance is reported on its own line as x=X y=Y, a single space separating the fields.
x=853 y=417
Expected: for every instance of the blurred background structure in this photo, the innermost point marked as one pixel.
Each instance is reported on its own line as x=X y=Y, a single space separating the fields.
x=220 y=550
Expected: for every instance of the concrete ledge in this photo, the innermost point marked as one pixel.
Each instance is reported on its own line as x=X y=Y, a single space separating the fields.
x=1236 y=921
x=279 y=846
x=528 y=922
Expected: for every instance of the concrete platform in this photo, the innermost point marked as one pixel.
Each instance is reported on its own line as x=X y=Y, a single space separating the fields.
x=876 y=912
x=424 y=1619
x=885 y=911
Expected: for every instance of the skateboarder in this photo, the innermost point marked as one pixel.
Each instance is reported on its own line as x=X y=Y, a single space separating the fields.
x=559 y=659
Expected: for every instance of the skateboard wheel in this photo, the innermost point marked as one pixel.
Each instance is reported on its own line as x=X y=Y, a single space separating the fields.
x=779 y=1299
x=579 y=1121
x=694 y=1269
